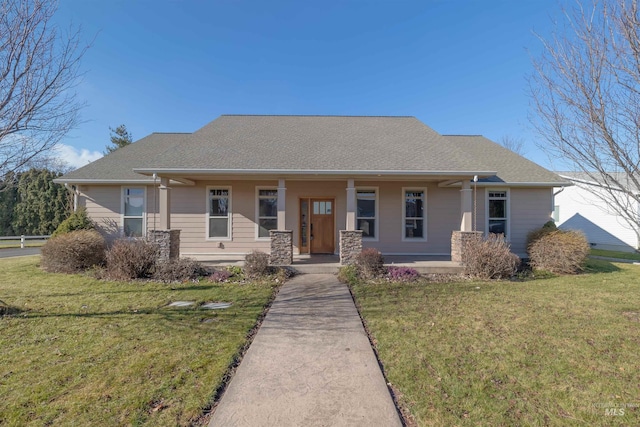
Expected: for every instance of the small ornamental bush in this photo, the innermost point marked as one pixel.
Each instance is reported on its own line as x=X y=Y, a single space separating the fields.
x=532 y=236
x=131 y=259
x=348 y=274
x=256 y=264
x=220 y=276
x=560 y=252
x=490 y=258
x=78 y=220
x=370 y=264
x=178 y=270
x=402 y=274
x=73 y=252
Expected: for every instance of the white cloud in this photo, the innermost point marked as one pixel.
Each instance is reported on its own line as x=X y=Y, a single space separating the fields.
x=74 y=157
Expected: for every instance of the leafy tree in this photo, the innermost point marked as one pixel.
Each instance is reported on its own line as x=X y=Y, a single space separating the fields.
x=120 y=137
x=42 y=204
x=39 y=68
x=586 y=100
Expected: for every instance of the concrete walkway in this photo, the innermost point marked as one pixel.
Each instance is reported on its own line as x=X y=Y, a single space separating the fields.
x=310 y=364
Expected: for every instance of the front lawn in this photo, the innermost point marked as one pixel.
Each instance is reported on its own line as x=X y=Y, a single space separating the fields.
x=560 y=351
x=635 y=256
x=87 y=352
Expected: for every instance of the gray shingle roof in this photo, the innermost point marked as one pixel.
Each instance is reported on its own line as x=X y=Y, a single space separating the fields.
x=314 y=143
x=511 y=167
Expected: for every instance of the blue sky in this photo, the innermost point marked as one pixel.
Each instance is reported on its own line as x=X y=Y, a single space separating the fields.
x=460 y=66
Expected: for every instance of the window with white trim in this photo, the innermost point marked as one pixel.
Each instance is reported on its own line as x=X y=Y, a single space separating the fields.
x=498 y=212
x=267 y=211
x=414 y=214
x=219 y=214
x=366 y=215
x=133 y=209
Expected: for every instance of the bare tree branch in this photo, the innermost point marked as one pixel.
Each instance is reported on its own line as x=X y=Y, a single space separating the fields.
x=585 y=95
x=39 y=69
x=514 y=144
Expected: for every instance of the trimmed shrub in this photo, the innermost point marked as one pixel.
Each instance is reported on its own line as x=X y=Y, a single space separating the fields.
x=73 y=252
x=220 y=276
x=256 y=264
x=402 y=274
x=348 y=274
x=236 y=271
x=490 y=258
x=532 y=236
x=178 y=270
x=78 y=220
x=131 y=259
x=370 y=264
x=560 y=252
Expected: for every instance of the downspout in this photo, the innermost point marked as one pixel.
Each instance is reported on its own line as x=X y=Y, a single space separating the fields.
x=553 y=202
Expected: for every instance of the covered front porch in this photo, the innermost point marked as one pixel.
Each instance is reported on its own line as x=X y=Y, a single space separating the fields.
x=412 y=220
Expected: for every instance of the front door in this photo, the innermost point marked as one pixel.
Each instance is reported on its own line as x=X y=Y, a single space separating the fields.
x=321 y=227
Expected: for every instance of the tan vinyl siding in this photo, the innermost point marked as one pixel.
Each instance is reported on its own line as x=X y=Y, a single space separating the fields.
x=530 y=209
x=442 y=216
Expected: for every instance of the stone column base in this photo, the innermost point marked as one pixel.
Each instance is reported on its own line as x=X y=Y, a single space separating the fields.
x=281 y=247
x=168 y=242
x=459 y=240
x=350 y=246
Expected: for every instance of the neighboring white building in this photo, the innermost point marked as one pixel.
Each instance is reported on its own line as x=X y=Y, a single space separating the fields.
x=578 y=208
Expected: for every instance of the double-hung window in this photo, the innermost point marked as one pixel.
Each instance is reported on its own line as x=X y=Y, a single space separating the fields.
x=498 y=212
x=267 y=211
x=414 y=214
x=219 y=213
x=133 y=209
x=366 y=215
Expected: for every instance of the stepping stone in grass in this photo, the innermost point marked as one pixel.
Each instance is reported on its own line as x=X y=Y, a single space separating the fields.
x=215 y=305
x=182 y=303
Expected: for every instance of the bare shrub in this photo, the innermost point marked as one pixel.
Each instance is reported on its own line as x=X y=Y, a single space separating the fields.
x=178 y=270
x=131 y=259
x=256 y=264
x=532 y=236
x=560 y=252
x=73 y=252
x=490 y=258
x=370 y=264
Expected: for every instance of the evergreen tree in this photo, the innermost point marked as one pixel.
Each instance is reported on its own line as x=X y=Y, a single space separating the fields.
x=42 y=204
x=8 y=199
x=120 y=137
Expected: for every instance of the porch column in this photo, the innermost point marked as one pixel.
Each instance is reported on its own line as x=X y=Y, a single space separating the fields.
x=466 y=203
x=351 y=205
x=165 y=203
x=282 y=193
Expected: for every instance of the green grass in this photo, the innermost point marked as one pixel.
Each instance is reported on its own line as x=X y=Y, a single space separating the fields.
x=5 y=244
x=87 y=352
x=560 y=351
x=616 y=254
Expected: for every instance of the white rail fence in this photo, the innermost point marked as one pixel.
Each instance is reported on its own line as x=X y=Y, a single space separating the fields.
x=23 y=239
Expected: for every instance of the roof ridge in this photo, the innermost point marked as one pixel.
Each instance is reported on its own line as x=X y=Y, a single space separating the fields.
x=171 y=133
x=459 y=134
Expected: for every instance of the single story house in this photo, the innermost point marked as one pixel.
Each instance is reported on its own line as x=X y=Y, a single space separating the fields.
x=290 y=185
x=581 y=207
